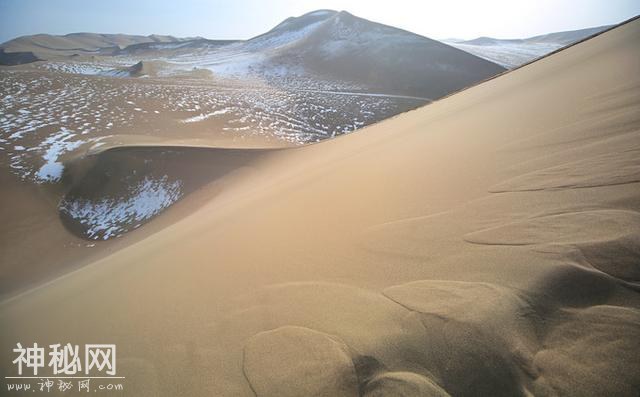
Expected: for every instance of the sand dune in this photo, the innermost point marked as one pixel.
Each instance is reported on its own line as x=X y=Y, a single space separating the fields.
x=47 y=46
x=464 y=248
x=119 y=189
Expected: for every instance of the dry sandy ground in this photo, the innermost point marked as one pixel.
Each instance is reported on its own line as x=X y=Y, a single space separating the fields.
x=486 y=244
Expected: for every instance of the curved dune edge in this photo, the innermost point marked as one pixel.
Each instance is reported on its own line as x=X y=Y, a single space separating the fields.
x=323 y=363
x=500 y=346
x=118 y=189
x=609 y=240
x=604 y=170
x=403 y=384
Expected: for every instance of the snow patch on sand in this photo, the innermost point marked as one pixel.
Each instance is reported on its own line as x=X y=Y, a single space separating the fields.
x=55 y=146
x=204 y=116
x=110 y=217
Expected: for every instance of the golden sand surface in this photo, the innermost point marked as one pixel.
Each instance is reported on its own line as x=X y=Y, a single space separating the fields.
x=485 y=244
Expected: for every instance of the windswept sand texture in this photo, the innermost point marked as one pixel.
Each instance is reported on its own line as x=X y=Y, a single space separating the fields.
x=486 y=244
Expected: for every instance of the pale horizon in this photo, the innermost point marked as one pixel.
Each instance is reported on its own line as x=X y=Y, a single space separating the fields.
x=248 y=18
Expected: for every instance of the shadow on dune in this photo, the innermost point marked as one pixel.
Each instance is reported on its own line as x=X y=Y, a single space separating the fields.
x=119 y=189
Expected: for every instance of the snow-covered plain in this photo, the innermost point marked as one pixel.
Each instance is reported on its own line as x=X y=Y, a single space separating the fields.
x=509 y=55
x=45 y=118
x=512 y=53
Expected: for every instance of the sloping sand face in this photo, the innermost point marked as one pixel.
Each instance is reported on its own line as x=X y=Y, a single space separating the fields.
x=486 y=244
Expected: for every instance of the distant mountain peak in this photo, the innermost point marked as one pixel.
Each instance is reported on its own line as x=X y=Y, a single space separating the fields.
x=322 y=12
x=301 y=21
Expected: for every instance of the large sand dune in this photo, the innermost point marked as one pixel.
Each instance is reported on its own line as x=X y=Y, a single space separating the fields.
x=46 y=46
x=485 y=244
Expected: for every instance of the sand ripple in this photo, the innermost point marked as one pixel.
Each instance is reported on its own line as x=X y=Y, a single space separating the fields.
x=604 y=170
x=609 y=240
x=436 y=338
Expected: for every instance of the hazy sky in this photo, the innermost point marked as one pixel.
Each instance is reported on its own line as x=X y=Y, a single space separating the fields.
x=241 y=19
